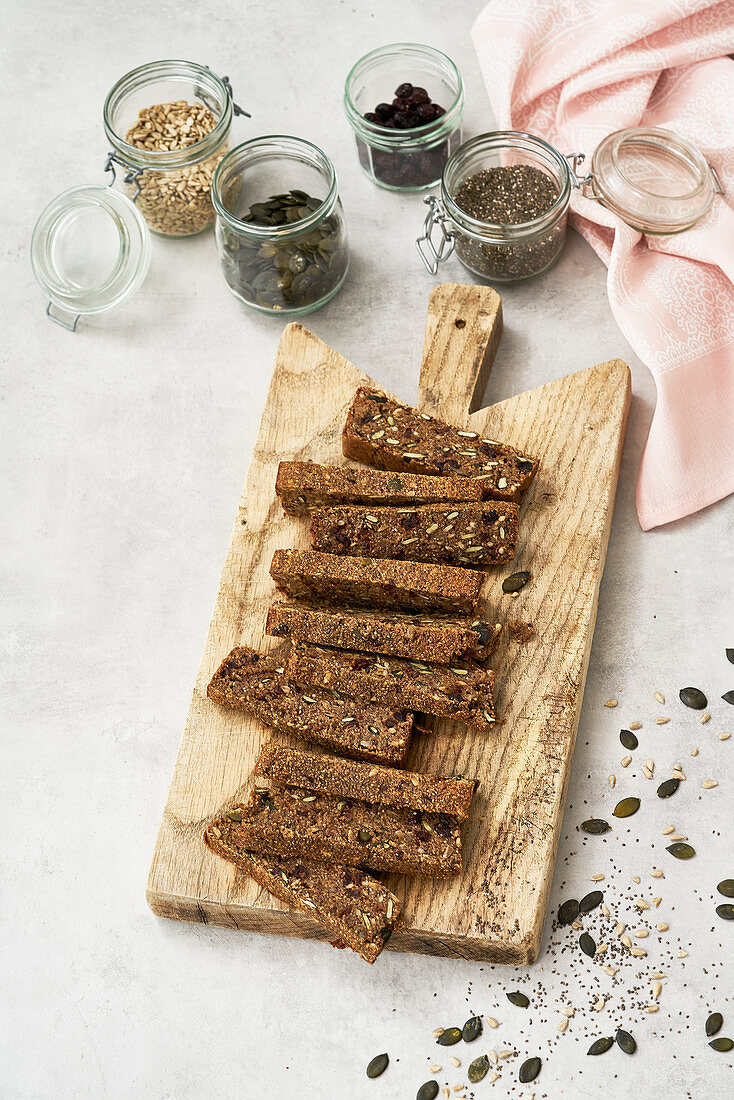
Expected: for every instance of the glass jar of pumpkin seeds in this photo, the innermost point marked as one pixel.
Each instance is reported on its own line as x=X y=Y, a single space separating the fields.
x=280 y=227
x=168 y=123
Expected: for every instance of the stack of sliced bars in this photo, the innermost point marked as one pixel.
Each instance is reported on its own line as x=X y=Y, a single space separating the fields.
x=381 y=624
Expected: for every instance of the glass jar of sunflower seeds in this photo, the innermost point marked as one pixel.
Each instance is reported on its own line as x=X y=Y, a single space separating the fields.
x=168 y=123
x=280 y=227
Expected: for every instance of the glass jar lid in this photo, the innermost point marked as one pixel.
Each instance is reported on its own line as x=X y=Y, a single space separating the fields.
x=654 y=179
x=90 y=250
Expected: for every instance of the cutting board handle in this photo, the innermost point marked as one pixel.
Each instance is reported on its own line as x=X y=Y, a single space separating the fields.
x=463 y=332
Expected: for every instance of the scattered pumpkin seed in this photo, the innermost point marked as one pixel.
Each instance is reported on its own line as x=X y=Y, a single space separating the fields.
x=628 y=739
x=726 y=912
x=627 y=807
x=450 y=1036
x=596 y=826
x=568 y=912
x=714 y=1024
x=681 y=851
x=590 y=901
x=378 y=1065
x=587 y=944
x=472 y=1029
x=427 y=1091
x=235 y=815
x=515 y=581
x=722 y=1044
x=601 y=1046
x=730 y=656
x=518 y=999
x=726 y=887
x=478 y=1070
x=529 y=1070
x=625 y=1041
x=669 y=787
x=728 y=697
x=693 y=698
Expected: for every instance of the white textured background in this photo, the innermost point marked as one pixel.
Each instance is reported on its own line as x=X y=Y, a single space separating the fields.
x=124 y=449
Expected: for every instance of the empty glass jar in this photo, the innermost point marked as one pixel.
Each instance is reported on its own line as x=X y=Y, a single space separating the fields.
x=280 y=228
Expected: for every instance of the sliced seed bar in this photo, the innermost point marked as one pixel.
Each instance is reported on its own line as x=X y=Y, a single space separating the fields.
x=256 y=683
x=440 y=640
x=407 y=585
x=295 y=824
x=463 y=691
x=302 y=486
x=461 y=534
x=381 y=432
x=368 y=782
x=356 y=908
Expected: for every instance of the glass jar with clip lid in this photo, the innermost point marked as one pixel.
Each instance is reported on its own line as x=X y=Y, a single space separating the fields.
x=504 y=197
x=169 y=124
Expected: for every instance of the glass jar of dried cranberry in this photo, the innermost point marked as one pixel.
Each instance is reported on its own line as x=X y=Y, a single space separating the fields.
x=405 y=103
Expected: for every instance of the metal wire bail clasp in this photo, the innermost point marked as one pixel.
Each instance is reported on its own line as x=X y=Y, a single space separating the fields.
x=582 y=182
x=427 y=250
x=132 y=176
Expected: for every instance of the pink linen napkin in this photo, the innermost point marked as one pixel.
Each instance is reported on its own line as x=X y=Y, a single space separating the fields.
x=573 y=71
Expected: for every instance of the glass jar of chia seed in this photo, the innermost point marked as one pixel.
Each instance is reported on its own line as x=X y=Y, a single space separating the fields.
x=504 y=197
x=168 y=123
x=280 y=228
x=405 y=103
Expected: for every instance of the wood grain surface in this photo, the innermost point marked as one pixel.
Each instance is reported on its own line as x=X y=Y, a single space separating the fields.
x=496 y=909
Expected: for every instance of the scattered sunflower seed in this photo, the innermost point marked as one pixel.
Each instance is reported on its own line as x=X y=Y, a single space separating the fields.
x=456 y=1062
x=660 y=697
x=478 y=1070
x=601 y=1046
x=378 y=1065
x=626 y=761
x=450 y=1036
x=627 y=807
x=518 y=999
x=563 y=1024
x=726 y=912
x=587 y=944
x=724 y=736
x=681 y=851
x=611 y=703
x=709 y=784
x=596 y=826
x=669 y=787
x=661 y=721
x=635 y=725
x=472 y=1029
x=492 y=1022
x=625 y=1041
x=722 y=1044
x=714 y=1024
x=705 y=718
x=693 y=698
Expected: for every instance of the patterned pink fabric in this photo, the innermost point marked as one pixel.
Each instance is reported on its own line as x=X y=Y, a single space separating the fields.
x=573 y=71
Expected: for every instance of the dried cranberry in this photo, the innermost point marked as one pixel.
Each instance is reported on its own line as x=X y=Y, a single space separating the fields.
x=416 y=818
x=443 y=828
x=418 y=95
x=361 y=663
x=402 y=120
x=384 y=110
x=409 y=521
x=370 y=116
x=299 y=871
x=422 y=835
x=400 y=104
x=438 y=111
x=404 y=90
x=426 y=111
x=390 y=123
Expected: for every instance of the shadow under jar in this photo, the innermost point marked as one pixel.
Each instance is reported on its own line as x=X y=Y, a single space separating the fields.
x=410 y=158
x=169 y=123
x=280 y=228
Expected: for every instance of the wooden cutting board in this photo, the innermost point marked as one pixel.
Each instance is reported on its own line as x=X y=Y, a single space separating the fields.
x=495 y=910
